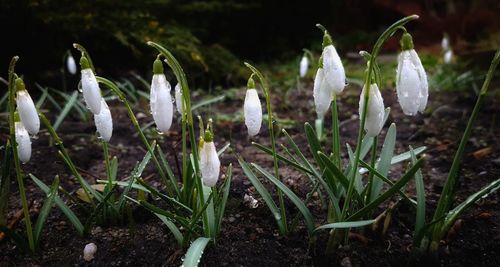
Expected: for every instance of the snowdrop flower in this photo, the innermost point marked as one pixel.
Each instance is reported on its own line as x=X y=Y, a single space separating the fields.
x=321 y=92
x=252 y=109
x=411 y=79
x=70 y=64
x=160 y=100
x=375 y=111
x=209 y=160
x=26 y=108
x=90 y=87
x=178 y=98
x=304 y=65
x=23 y=142
x=333 y=70
x=104 y=122
x=445 y=43
x=448 y=56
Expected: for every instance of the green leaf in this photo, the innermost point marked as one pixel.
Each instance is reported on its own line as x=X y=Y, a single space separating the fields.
x=343 y=225
x=171 y=226
x=453 y=214
x=384 y=163
x=62 y=206
x=5 y=183
x=419 y=187
x=193 y=255
x=136 y=174
x=292 y=196
x=225 y=194
x=207 y=102
x=389 y=193
x=45 y=210
x=263 y=193
x=314 y=144
x=67 y=108
x=282 y=158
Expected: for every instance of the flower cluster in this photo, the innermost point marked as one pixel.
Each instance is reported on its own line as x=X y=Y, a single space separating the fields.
x=26 y=123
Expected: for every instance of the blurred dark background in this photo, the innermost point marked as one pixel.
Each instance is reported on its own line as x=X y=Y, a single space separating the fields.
x=212 y=38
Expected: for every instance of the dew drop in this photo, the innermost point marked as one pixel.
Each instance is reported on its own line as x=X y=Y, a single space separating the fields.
x=159 y=132
x=34 y=137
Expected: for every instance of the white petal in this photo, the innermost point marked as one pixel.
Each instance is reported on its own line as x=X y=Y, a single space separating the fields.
x=445 y=43
x=424 y=85
x=209 y=164
x=161 y=102
x=304 y=65
x=71 y=65
x=375 y=113
x=104 y=122
x=333 y=69
x=448 y=56
x=408 y=85
x=178 y=98
x=322 y=94
x=253 y=112
x=91 y=91
x=23 y=142
x=27 y=112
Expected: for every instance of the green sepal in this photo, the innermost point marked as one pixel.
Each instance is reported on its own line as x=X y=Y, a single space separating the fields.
x=20 y=86
x=84 y=63
x=208 y=137
x=251 y=83
x=327 y=40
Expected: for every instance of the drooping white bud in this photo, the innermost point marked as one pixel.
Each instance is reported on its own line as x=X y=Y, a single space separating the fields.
x=71 y=64
x=304 y=65
x=252 y=111
x=375 y=113
x=178 y=98
x=89 y=251
x=161 y=103
x=445 y=43
x=448 y=56
x=411 y=83
x=209 y=164
x=333 y=69
x=27 y=109
x=23 y=142
x=104 y=122
x=91 y=91
x=322 y=93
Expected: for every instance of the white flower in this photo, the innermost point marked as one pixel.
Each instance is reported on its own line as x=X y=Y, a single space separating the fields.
x=104 y=122
x=411 y=83
x=26 y=108
x=322 y=93
x=304 y=65
x=89 y=251
x=448 y=56
x=71 y=65
x=23 y=142
x=161 y=102
x=445 y=43
x=252 y=111
x=91 y=91
x=209 y=164
x=375 y=113
x=333 y=69
x=178 y=98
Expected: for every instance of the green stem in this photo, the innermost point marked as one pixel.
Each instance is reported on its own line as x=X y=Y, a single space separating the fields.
x=376 y=49
x=335 y=133
x=449 y=187
x=20 y=181
x=105 y=150
x=371 y=174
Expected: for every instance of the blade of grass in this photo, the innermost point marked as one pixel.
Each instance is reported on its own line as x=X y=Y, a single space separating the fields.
x=45 y=210
x=193 y=255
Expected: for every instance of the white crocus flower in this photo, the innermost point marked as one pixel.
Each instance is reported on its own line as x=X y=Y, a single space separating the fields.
x=333 y=69
x=178 y=98
x=90 y=87
x=322 y=93
x=23 y=142
x=304 y=65
x=252 y=109
x=104 y=122
x=375 y=111
x=70 y=64
x=448 y=56
x=161 y=103
x=209 y=161
x=26 y=108
x=411 y=80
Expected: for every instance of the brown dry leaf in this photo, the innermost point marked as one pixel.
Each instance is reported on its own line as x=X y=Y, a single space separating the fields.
x=483 y=152
x=81 y=194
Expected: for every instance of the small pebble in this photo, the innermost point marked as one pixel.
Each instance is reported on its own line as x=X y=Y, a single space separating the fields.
x=346 y=262
x=89 y=251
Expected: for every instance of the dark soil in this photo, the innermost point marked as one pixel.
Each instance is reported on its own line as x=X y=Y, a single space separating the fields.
x=249 y=236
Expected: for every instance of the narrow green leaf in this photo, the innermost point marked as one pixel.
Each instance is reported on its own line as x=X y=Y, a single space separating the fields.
x=314 y=144
x=67 y=108
x=343 y=225
x=225 y=194
x=193 y=255
x=136 y=174
x=171 y=226
x=419 y=187
x=384 y=163
x=292 y=196
x=207 y=102
x=282 y=158
x=45 y=210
